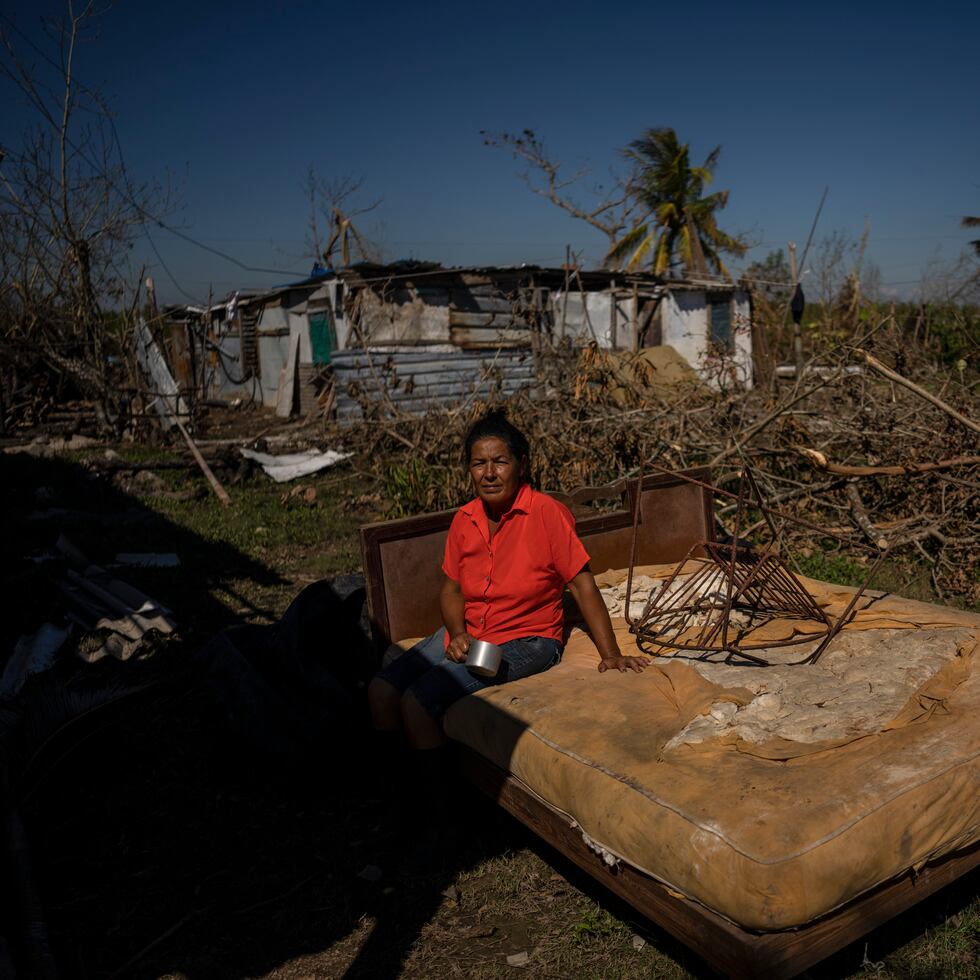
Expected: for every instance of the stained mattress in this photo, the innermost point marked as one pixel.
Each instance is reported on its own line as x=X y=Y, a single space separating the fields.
x=769 y=795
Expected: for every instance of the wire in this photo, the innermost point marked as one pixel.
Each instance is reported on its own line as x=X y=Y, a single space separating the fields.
x=166 y=269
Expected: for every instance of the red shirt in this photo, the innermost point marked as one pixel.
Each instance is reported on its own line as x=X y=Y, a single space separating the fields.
x=512 y=585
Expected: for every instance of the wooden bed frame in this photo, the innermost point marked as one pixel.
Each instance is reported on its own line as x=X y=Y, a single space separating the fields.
x=402 y=560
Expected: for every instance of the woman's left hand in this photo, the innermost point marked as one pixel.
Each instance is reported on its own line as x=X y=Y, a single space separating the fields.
x=623 y=664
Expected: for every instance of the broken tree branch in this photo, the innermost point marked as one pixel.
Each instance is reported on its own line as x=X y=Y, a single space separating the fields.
x=873 y=362
x=820 y=461
x=861 y=517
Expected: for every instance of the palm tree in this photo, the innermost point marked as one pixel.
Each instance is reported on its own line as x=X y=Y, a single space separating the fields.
x=680 y=220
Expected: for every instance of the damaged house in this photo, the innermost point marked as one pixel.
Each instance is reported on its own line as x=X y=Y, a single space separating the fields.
x=376 y=337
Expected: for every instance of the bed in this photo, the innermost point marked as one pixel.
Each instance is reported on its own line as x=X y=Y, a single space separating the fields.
x=765 y=817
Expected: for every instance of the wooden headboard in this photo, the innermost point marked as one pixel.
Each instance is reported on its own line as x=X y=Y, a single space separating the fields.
x=403 y=558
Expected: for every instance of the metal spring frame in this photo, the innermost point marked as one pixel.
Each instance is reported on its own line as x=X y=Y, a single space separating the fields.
x=759 y=584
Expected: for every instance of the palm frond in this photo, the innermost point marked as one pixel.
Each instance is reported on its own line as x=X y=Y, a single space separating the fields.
x=711 y=160
x=628 y=243
x=636 y=260
x=661 y=261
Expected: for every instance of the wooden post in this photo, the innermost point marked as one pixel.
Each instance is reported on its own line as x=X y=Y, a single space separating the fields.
x=534 y=322
x=151 y=297
x=797 y=335
x=635 y=318
x=613 y=338
x=564 y=295
x=219 y=490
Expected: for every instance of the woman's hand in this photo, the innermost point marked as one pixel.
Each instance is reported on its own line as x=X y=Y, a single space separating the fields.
x=623 y=664
x=594 y=612
x=458 y=647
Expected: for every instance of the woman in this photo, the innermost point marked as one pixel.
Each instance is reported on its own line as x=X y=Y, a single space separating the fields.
x=509 y=555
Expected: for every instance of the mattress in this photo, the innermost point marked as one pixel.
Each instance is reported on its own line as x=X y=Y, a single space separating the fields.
x=770 y=795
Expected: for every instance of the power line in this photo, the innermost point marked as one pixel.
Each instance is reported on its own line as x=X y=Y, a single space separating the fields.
x=180 y=289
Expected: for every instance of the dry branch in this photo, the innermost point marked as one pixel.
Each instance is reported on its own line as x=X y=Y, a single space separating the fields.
x=921 y=392
x=740 y=443
x=599 y=417
x=861 y=517
x=907 y=469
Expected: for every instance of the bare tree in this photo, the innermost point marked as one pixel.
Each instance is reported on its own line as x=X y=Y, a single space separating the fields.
x=613 y=209
x=68 y=216
x=332 y=208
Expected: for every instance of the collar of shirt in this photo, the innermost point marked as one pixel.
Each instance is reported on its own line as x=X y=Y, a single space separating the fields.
x=475 y=512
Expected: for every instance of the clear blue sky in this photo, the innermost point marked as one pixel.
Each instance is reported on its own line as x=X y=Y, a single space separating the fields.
x=877 y=101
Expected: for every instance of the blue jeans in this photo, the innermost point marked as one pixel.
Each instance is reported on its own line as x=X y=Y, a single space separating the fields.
x=436 y=682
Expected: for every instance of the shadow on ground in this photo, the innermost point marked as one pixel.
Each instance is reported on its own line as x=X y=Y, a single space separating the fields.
x=163 y=841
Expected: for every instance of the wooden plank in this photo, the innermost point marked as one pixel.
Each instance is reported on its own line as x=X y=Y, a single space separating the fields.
x=357 y=359
x=219 y=490
x=433 y=378
x=736 y=952
x=489 y=338
x=486 y=319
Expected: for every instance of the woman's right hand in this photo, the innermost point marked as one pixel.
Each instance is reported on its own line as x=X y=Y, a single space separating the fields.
x=459 y=646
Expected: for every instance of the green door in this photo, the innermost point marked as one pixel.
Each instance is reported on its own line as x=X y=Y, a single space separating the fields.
x=323 y=336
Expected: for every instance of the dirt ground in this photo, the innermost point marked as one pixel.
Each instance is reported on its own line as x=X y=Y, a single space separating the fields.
x=164 y=848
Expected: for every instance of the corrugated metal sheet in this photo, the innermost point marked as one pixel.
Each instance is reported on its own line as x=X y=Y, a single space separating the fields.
x=415 y=380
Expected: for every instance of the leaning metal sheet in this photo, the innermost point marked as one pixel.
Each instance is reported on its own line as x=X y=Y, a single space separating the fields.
x=771 y=795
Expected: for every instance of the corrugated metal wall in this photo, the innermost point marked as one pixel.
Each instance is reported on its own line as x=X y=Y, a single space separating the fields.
x=416 y=379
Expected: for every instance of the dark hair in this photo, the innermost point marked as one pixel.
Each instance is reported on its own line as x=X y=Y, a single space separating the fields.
x=494 y=425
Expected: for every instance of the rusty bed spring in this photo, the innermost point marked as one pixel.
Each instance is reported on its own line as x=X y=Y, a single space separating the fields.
x=735 y=590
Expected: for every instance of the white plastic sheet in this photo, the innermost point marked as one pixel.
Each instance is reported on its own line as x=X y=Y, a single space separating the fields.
x=293 y=465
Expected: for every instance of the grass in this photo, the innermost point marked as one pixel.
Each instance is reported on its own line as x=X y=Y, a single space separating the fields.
x=899 y=575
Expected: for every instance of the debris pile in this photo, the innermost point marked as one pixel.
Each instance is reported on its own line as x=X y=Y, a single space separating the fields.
x=879 y=448
x=103 y=615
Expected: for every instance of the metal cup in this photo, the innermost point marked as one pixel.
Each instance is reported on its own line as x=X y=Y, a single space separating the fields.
x=484 y=658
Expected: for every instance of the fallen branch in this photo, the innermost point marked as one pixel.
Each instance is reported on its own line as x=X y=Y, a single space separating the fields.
x=906 y=469
x=933 y=531
x=861 y=517
x=921 y=392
